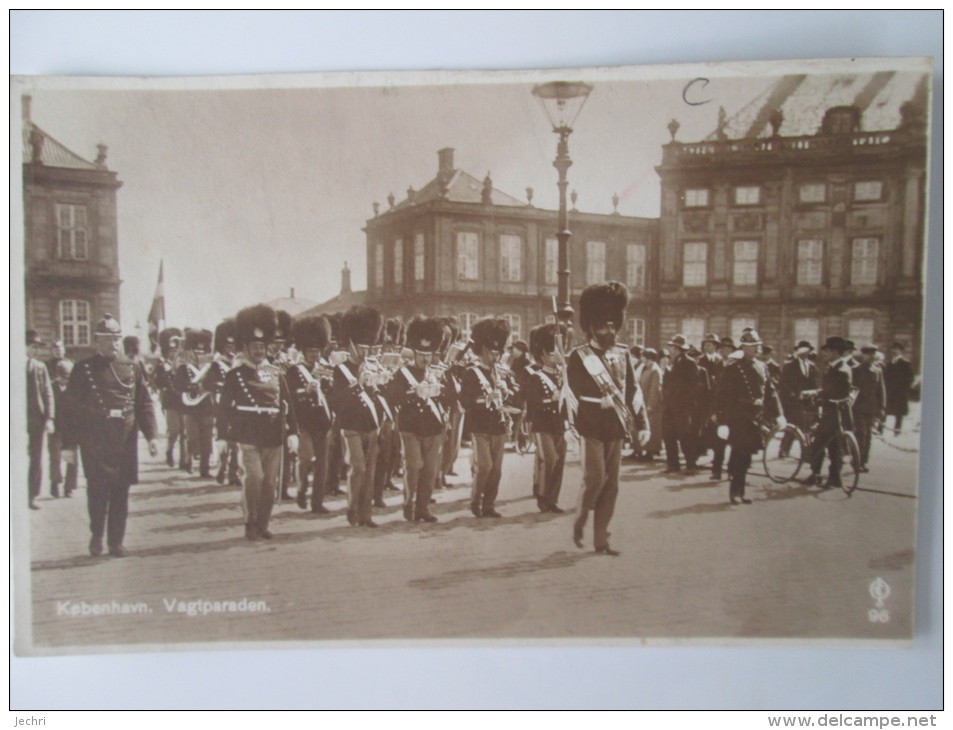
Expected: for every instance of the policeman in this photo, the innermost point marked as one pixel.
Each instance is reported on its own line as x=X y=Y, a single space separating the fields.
x=198 y=403
x=256 y=413
x=421 y=417
x=546 y=411
x=601 y=376
x=834 y=398
x=746 y=395
x=222 y=361
x=107 y=400
x=170 y=397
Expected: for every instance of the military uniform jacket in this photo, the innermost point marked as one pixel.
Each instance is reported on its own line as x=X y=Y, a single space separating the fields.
x=356 y=406
x=484 y=416
x=170 y=398
x=871 y=395
x=414 y=414
x=185 y=376
x=544 y=407
x=256 y=406
x=106 y=401
x=214 y=382
x=746 y=395
x=793 y=382
x=311 y=407
x=593 y=421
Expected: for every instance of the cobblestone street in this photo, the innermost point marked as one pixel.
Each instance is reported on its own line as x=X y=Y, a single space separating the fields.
x=798 y=563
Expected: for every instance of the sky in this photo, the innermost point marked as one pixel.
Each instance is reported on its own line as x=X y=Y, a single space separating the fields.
x=244 y=194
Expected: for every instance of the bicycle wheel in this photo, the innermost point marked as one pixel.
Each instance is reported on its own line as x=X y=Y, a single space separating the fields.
x=783 y=454
x=850 y=467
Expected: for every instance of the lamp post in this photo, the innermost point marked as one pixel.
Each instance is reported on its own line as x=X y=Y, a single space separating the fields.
x=562 y=101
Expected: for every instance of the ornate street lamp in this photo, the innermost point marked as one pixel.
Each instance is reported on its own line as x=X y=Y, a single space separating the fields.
x=562 y=101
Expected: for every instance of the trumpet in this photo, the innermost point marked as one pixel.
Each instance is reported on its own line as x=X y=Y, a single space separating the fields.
x=370 y=373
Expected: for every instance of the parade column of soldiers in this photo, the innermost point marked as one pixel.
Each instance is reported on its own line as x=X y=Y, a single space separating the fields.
x=367 y=401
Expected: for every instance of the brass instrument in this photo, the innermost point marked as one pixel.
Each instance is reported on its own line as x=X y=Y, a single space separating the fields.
x=196 y=393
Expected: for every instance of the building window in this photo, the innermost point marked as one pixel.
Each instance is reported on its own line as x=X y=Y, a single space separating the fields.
x=74 y=322
x=379 y=265
x=635 y=265
x=551 y=264
x=861 y=331
x=71 y=232
x=746 y=263
x=466 y=323
x=748 y=195
x=468 y=255
x=810 y=261
x=695 y=264
x=398 y=263
x=863 y=265
x=696 y=197
x=738 y=325
x=693 y=329
x=868 y=190
x=516 y=327
x=419 y=257
x=511 y=257
x=636 y=327
x=807 y=329
x=812 y=193
x=595 y=262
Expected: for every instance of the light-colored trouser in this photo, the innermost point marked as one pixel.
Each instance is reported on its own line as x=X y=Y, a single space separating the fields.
x=313 y=459
x=551 y=450
x=261 y=478
x=362 y=456
x=175 y=423
x=600 y=486
x=421 y=462
x=55 y=447
x=451 y=447
x=199 y=432
x=487 y=468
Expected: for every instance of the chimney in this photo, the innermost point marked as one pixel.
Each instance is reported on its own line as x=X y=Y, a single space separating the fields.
x=292 y=292
x=345 y=280
x=445 y=166
x=26 y=102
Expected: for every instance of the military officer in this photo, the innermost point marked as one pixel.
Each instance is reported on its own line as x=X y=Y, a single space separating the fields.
x=602 y=378
x=452 y=352
x=222 y=361
x=199 y=406
x=170 y=397
x=684 y=395
x=834 y=398
x=870 y=402
x=746 y=395
x=107 y=400
x=421 y=417
x=337 y=461
x=257 y=414
x=309 y=382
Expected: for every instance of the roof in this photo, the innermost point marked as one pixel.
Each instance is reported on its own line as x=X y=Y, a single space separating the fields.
x=340 y=303
x=52 y=152
x=461 y=187
x=804 y=99
x=293 y=306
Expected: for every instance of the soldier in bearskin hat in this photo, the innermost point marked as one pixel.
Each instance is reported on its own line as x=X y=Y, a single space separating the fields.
x=421 y=417
x=256 y=413
x=198 y=403
x=278 y=350
x=388 y=455
x=484 y=392
x=170 y=397
x=451 y=356
x=745 y=398
x=337 y=456
x=223 y=360
x=547 y=414
x=601 y=376
x=106 y=402
x=309 y=392
x=354 y=398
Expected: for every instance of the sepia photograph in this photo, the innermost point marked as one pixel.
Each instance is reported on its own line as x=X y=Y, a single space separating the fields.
x=616 y=356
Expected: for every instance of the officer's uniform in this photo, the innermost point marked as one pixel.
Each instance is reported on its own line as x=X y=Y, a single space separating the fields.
x=214 y=382
x=546 y=411
x=107 y=401
x=388 y=454
x=198 y=404
x=170 y=397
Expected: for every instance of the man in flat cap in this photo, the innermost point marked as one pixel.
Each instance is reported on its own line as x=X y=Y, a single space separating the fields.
x=107 y=401
x=871 y=401
x=40 y=413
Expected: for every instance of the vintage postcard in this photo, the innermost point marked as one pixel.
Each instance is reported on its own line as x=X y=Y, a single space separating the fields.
x=579 y=356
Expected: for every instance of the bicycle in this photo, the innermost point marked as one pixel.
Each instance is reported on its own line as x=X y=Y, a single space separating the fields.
x=786 y=449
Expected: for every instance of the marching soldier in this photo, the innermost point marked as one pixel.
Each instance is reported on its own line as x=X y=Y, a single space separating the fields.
x=388 y=455
x=257 y=414
x=337 y=463
x=834 y=397
x=107 y=401
x=198 y=404
x=170 y=397
x=309 y=382
x=483 y=391
x=452 y=352
x=684 y=392
x=870 y=403
x=546 y=411
x=281 y=356
x=601 y=376
x=222 y=361
x=797 y=375
x=359 y=410
x=713 y=364
x=746 y=395
x=421 y=417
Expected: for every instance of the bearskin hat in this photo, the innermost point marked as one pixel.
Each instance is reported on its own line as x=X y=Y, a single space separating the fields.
x=223 y=333
x=197 y=337
x=602 y=303
x=284 y=326
x=337 y=330
x=362 y=325
x=167 y=335
x=393 y=332
x=542 y=339
x=425 y=334
x=491 y=333
x=130 y=345
x=255 y=324
x=312 y=332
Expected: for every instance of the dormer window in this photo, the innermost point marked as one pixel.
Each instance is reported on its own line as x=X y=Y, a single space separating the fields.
x=841 y=120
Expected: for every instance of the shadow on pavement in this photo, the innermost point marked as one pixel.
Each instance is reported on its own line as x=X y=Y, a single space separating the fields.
x=555 y=561
x=695 y=509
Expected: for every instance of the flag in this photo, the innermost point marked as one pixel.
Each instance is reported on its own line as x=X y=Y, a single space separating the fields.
x=157 y=312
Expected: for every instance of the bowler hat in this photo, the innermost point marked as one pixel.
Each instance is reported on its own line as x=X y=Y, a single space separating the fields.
x=804 y=346
x=679 y=342
x=33 y=338
x=727 y=342
x=835 y=343
x=710 y=338
x=868 y=350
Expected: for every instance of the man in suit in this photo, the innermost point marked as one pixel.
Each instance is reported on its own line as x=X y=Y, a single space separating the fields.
x=767 y=357
x=40 y=412
x=684 y=394
x=870 y=402
x=107 y=402
x=55 y=440
x=898 y=379
x=650 y=381
x=834 y=397
x=712 y=363
x=797 y=376
x=59 y=355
